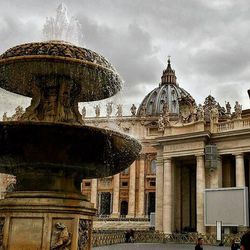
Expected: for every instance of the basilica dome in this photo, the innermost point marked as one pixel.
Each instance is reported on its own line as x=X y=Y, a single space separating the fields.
x=177 y=100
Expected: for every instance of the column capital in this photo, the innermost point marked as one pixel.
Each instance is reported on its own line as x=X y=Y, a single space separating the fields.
x=239 y=154
x=141 y=156
x=166 y=157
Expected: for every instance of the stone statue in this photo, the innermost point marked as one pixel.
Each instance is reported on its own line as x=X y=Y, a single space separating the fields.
x=133 y=110
x=214 y=115
x=109 y=109
x=200 y=113
x=5 y=117
x=119 y=110
x=228 y=108
x=237 y=110
x=194 y=113
x=18 y=114
x=97 y=111
x=63 y=238
x=161 y=123
x=83 y=112
x=143 y=110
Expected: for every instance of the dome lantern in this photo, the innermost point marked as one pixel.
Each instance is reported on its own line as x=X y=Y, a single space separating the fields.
x=168 y=76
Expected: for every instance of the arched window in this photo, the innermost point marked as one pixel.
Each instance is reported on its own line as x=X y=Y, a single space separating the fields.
x=153 y=167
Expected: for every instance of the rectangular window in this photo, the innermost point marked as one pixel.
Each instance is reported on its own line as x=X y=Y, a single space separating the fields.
x=124 y=183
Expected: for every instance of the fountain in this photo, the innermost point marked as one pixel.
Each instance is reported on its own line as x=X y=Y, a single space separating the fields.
x=50 y=150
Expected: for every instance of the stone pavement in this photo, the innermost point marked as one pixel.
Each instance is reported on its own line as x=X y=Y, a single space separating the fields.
x=148 y=246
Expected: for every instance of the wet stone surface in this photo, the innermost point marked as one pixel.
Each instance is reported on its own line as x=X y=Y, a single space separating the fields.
x=147 y=246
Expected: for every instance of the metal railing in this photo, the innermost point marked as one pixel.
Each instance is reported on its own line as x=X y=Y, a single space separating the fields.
x=104 y=237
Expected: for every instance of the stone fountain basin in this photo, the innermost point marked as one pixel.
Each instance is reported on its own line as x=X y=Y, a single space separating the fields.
x=49 y=62
x=84 y=151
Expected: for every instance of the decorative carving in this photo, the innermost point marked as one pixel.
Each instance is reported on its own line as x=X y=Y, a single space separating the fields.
x=237 y=110
x=2 y=220
x=97 y=111
x=109 y=109
x=57 y=102
x=63 y=240
x=211 y=103
x=56 y=49
x=84 y=234
x=161 y=123
x=119 y=110
x=133 y=110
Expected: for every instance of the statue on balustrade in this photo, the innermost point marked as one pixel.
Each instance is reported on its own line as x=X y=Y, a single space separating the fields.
x=200 y=113
x=228 y=108
x=143 y=110
x=97 y=111
x=119 y=110
x=237 y=110
x=83 y=112
x=109 y=109
x=133 y=110
x=214 y=115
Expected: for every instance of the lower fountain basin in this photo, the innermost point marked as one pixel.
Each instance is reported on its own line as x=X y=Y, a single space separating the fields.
x=80 y=151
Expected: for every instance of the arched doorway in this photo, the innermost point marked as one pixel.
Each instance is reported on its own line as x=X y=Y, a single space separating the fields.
x=124 y=208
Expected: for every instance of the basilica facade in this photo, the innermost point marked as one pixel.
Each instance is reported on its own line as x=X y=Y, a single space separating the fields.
x=186 y=148
x=173 y=169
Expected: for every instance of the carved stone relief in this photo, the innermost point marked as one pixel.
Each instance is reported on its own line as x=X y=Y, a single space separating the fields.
x=2 y=220
x=62 y=237
x=84 y=234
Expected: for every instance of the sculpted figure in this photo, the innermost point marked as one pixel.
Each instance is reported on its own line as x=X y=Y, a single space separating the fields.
x=200 y=113
x=237 y=110
x=119 y=110
x=5 y=117
x=97 y=111
x=143 y=110
x=83 y=112
x=133 y=110
x=109 y=109
x=214 y=115
x=63 y=238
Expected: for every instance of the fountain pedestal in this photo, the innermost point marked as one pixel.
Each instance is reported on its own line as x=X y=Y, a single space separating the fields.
x=46 y=220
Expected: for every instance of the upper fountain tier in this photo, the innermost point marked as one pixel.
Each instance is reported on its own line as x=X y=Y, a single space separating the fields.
x=46 y=63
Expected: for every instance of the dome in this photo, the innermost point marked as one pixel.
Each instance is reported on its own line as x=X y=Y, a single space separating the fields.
x=167 y=94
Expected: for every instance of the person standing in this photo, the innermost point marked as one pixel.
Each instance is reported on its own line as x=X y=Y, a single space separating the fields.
x=234 y=245
x=245 y=242
x=199 y=244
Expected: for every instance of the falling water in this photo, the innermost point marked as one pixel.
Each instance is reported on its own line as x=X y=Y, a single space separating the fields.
x=61 y=27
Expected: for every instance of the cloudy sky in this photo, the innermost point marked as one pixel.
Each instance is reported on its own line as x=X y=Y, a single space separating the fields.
x=208 y=40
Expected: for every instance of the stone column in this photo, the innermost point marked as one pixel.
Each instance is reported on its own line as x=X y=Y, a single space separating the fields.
x=116 y=196
x=141 y=199
x=240 y=170
x=167 y=198
x=93 y=198
x=219 y=170
x=200 y=186
x=159 y=194
x=216 y=175
x=131 y=201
